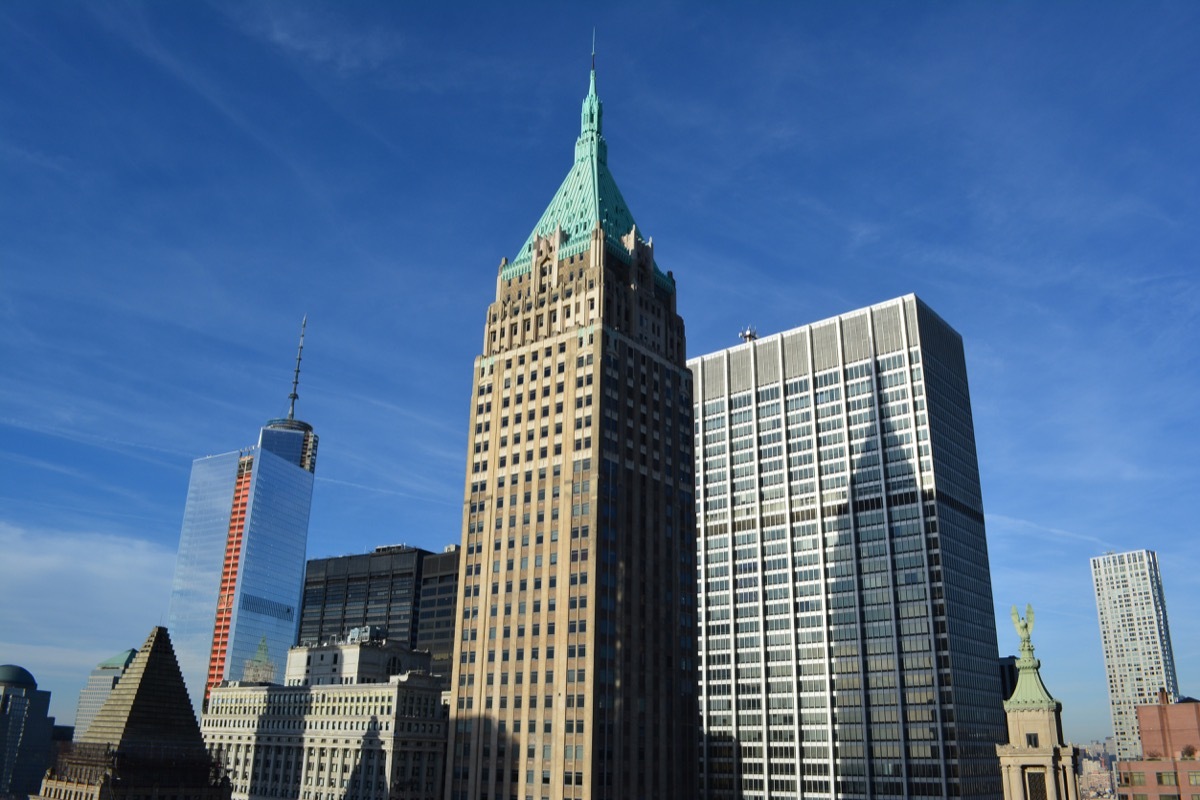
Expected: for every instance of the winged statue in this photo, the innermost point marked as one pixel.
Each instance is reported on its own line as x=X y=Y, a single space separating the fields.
x=1024 y=626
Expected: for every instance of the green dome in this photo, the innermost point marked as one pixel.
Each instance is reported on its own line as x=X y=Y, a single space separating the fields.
x=13 y=675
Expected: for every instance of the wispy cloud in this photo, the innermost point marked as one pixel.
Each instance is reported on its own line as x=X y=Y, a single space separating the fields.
x=412 y=414
x=135 y=27
x=71 y=598
x=90 y=479
x=29 y=157
x=1030 y=528
x=321 y=37
x=412 y=495
x=143 y=450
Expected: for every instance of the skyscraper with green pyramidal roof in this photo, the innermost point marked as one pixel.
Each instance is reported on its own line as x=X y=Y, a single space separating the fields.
x=575 y=675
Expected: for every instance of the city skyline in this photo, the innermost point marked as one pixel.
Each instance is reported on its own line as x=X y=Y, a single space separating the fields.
x=1025 y=171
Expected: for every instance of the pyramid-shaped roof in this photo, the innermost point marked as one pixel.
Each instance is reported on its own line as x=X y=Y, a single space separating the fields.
x=149 y=709
x=587 y=196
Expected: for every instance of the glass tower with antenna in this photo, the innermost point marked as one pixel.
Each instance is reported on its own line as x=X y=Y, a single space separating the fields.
x=235 y=597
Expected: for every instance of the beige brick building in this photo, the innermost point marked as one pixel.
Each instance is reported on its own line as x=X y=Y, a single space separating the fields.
x=575 y=671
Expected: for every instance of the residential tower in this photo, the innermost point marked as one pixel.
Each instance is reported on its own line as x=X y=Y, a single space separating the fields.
x=1136 y=640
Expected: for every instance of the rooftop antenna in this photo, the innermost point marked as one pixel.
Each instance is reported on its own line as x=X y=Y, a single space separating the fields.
x=593 y=49
x=748 y=334
x=296 y=377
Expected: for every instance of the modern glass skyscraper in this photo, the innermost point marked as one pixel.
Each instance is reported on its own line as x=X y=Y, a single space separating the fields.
x=438 y=595
x=26 y=732
x=847 y=635
x=575 y=671
x=235 y=598
x=1135 y=638
x=378 y=590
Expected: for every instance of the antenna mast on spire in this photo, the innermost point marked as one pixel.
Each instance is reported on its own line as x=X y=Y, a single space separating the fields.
x=293 y=397
x=593 y=49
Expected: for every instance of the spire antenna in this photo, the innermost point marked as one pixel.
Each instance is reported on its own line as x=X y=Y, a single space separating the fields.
x=293 y=397
x=593 y=49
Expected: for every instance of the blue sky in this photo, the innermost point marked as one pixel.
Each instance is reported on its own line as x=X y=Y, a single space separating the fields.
x=182 y=182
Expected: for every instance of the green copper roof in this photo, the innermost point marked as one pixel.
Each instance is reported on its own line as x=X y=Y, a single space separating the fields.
x=1030 y=692
x=588 y=195
x=120 y=660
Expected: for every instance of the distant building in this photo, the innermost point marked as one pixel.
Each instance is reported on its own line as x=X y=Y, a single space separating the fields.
x=363 y=657
x=379 y=736
x=235 y=599
x=99 y=685
x=371 y=590
x=438 y=609
x=1096 y=778
x=1170 y=744
x=1136 y=639
x=143 y=744
x=1035 y=764
x=1171 y=730
x=26 y=732
x=1008 y=675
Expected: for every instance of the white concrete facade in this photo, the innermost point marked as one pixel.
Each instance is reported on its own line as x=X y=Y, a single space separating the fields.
x=1136 y=639
x=363 y=741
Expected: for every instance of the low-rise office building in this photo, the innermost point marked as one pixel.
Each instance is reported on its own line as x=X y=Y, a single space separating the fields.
x=369 y=735
x=365 y=656
x=1170 y=743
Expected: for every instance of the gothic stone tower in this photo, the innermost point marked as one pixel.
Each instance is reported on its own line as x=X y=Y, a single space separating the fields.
x=575 y=672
